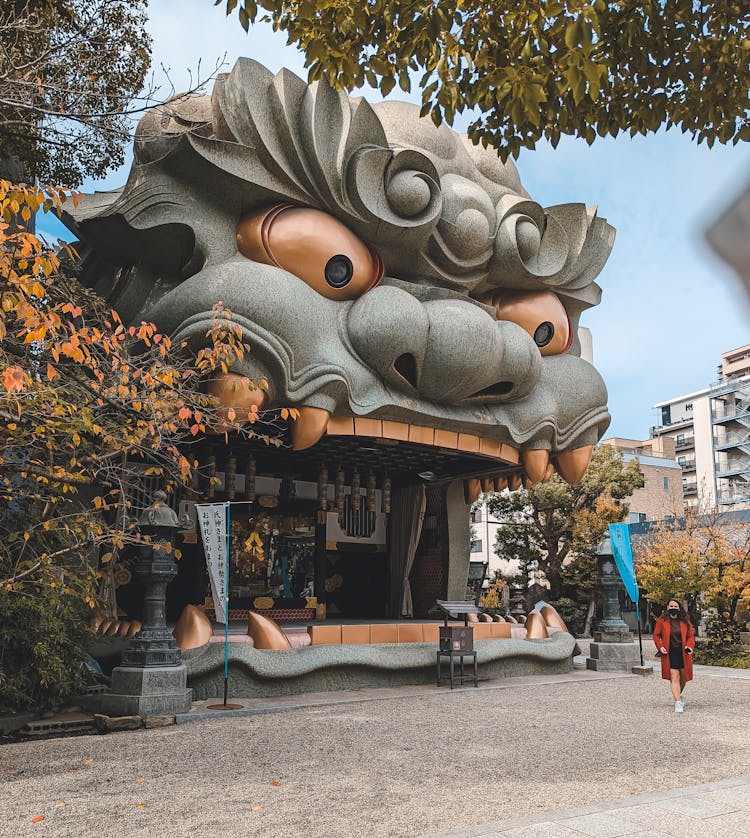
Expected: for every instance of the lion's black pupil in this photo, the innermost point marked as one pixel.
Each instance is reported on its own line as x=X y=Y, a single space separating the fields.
x=544 y=334
x=339 y=270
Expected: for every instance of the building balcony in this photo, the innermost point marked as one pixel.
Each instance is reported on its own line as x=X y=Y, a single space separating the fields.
x=689 y=489
x=735 y=414
x=732 y=469
x=734 y=494
x=688 y=465
x=682 y=444
x=731 y=440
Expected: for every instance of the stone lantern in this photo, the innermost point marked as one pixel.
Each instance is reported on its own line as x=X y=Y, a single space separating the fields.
x=152 y=679
x=612 y=649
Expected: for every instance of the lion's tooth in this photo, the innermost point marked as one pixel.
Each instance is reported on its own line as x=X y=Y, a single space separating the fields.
x=309 y=427
x=472 y=490
x=501 y=483
x=236 y=393
x=572 y=465
x=514 y=482
x=488 y=485
x=535 y=462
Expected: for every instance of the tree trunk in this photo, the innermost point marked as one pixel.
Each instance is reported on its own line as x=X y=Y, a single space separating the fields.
x=552 y=575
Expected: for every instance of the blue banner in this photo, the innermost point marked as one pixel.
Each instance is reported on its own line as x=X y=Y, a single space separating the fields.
x=623 y=552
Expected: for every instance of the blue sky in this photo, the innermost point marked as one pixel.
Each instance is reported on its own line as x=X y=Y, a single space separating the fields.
x=669 y=307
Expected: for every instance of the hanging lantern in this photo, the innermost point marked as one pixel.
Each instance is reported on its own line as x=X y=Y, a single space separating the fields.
x=356 y=498
x=386 y=499
x=371 y=492
x=230 y=477
x=323 y=488
x=340 y=478
x=250 y=480
x=211 y=473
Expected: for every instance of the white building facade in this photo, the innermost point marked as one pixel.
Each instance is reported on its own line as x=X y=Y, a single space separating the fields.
x=711 y=433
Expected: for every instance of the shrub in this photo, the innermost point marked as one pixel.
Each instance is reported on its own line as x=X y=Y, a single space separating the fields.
x=722 y=634
x=43 y=639
x=574 y=613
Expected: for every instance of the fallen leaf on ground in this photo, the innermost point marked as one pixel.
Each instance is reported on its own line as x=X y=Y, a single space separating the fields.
x=275 y=783
x=75 y=767
x=88 y=761
x=141 y=805
x=255 y=808
x=60 y=805
x=37 y=819
x=140 y=780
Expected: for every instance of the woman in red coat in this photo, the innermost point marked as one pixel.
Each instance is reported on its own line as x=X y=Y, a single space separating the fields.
x=675 y=641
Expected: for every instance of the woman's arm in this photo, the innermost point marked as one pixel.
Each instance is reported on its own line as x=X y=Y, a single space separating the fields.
x=659 y=636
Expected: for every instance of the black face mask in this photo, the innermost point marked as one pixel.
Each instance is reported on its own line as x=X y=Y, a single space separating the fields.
x=673 y=612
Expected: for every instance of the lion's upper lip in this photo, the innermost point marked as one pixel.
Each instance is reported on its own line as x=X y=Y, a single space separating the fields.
x=301 y=344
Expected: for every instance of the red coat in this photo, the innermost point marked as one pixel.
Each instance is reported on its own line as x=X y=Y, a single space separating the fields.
x=661 y=638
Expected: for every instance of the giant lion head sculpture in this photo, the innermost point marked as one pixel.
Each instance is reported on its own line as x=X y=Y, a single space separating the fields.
x=380 y=267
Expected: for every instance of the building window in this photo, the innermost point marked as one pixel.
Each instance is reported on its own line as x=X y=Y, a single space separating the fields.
x=476 y=515
x=476 y=546
x=666 y=484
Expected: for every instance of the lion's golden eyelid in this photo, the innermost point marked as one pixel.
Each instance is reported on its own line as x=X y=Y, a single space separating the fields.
x=540 y=313
x=312 y=245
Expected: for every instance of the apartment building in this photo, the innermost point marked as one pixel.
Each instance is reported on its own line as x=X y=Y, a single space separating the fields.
x=711 y=433
x=662 y=492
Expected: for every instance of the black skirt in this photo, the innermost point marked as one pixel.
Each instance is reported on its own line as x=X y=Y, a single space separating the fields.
x=676 y=658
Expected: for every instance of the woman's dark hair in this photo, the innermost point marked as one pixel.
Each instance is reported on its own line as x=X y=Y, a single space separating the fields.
x=683 y=615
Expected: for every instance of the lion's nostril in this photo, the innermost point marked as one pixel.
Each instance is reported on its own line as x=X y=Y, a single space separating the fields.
x=499 y=388
x=406 y=366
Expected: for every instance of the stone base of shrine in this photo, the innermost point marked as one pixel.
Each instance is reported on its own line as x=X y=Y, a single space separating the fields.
x=613 y=657
x=256 y=673
x=147 y=691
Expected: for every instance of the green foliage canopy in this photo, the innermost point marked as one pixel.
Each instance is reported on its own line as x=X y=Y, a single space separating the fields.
x=71 y=78
x=552 y=520
x=533 y=69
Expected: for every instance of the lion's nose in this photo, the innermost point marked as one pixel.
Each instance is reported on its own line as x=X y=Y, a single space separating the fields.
x=442 y=350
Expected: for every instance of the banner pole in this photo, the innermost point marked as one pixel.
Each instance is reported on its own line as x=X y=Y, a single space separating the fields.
x=638 y=621
x=226 y=608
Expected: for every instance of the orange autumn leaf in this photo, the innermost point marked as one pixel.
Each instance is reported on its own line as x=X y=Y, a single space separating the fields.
x=90 y=760
x=140 y=780
x=13 y=379
x=255 y=808
x=51 y=372
x=275 y=783
x=37 y=819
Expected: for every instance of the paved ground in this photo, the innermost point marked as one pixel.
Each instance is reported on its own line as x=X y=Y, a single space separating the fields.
x=720 y=809
x=409 y=762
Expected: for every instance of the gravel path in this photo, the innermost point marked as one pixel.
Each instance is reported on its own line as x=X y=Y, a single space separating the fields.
x=391 y=767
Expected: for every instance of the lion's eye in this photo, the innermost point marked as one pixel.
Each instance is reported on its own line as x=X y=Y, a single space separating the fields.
x=540 y=313
x=312 y=245
x=339 y=271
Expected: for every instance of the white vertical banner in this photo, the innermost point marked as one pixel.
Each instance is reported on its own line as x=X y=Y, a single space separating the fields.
x=212 y=519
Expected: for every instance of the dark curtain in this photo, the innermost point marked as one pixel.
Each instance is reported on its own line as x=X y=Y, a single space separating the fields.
x=407 y=513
